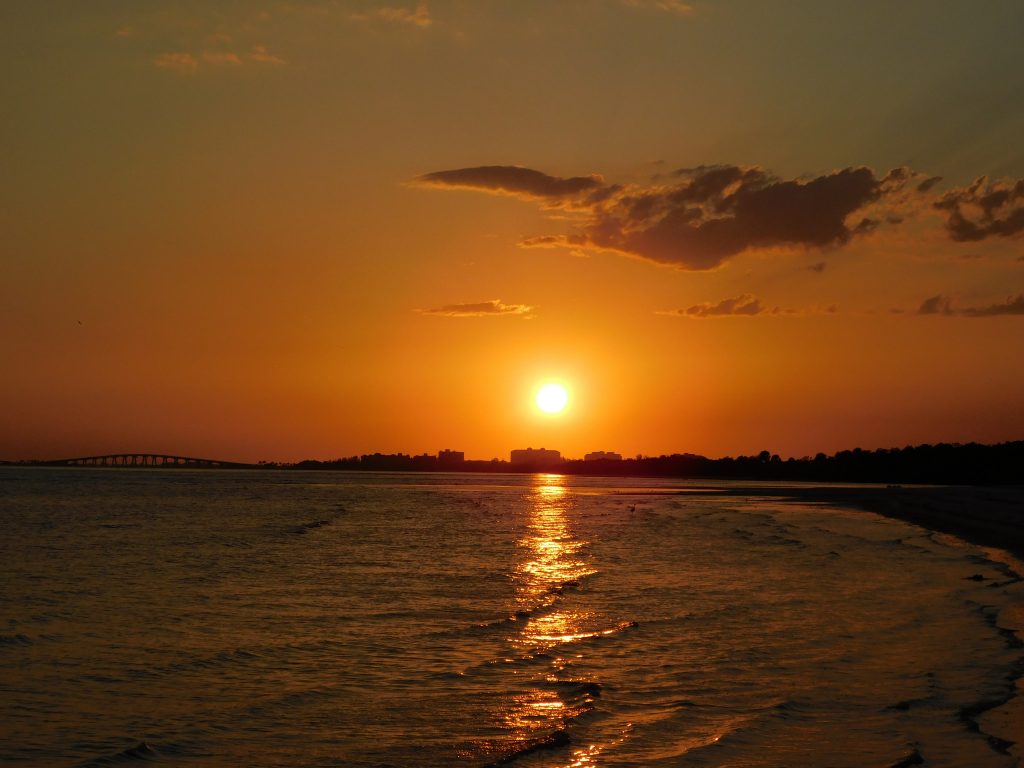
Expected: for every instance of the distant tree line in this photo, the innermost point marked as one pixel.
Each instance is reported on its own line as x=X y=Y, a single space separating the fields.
x=944 y=463
x=401 y=462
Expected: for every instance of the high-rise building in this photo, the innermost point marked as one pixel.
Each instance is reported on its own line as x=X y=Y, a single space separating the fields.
x=603 y=455
x=535 y=456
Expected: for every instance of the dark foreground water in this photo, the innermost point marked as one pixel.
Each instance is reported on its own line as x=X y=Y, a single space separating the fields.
x=317 y=619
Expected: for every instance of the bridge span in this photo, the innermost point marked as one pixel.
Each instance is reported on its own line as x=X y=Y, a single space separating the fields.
x=146 y=460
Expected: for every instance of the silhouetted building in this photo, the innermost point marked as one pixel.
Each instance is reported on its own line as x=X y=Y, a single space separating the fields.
x=535 y=456
x=451 y=457
x=603 y=455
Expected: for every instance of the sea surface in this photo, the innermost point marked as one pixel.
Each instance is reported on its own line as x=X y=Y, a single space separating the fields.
x=284 y=618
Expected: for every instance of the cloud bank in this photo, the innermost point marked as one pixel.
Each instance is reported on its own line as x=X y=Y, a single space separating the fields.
x=669 y=6
x=185 y=63
x=936 y=305
x=943 y=305
x=984 y=209
x=418 y=16
x=744 y=305
x=479 y=309
x=705 y=216
x=512 y=180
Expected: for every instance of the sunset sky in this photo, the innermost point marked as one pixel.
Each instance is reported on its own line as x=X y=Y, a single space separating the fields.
x=312 y=229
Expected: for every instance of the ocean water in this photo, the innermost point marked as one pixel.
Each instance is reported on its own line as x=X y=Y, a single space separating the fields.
x=218 y=618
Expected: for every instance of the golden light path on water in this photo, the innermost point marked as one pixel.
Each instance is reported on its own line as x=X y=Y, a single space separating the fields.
x=551 y=565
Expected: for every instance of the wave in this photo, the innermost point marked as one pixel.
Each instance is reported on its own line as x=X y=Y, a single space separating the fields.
x=142 y=752
x=197 y=664
x=524 y=660
x=547 y=602
x=310 y=526
x=578 y=687
x=553 y=740
x=321 y=522
x=18 y=640
x=914 y=758
x=575 y=636
x=970 y=715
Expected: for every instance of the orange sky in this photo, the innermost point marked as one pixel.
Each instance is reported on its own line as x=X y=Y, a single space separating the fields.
x=271 y=230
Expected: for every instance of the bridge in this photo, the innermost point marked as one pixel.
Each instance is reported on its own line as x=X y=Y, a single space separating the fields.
x=146 y=460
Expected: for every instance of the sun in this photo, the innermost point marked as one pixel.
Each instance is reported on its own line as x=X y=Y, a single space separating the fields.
x=552 y=398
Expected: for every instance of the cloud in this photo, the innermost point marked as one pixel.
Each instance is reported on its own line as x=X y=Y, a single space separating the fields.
x=261 y=55
x=745 y=305
x=936 y=305
x=674 y=6
x=221 y=58
x=670 y=6
x=1012 y=306
x=943 y=305
x=704 y=216
x=511 y=180
x=419 y=17
x=186 y=63
x=984 y=209
x=479 y=309
x=818 y=266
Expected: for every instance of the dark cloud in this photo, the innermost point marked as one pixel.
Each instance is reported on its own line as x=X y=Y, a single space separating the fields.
x=718 y=212
x=1012 y=306
x=928 y=183
x=936 y=305
x=479 y=309
x=984 y=209
x=943 y=305
x=512 y=180
x=705 y=216
x=818 y=267
x=744 y=304
x=552 y=241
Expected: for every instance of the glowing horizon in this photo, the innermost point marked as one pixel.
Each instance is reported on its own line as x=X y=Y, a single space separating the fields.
x=219 y=241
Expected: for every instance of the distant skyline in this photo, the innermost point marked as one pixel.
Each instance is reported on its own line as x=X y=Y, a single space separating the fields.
x=321 y=228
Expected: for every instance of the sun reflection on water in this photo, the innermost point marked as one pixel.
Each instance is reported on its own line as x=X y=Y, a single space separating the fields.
x=551 y=565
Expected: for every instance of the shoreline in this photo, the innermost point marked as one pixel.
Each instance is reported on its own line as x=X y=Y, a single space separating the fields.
x=990 y=517
x=987 y=516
